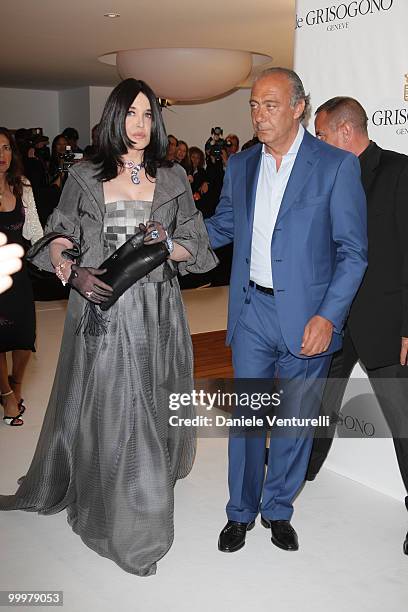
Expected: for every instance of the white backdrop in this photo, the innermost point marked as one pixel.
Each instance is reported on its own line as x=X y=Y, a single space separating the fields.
x=359 y=55
x=359 y=48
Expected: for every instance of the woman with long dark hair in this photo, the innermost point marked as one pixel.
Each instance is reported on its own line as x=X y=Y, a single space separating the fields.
x=19 y=222
x=106 y=451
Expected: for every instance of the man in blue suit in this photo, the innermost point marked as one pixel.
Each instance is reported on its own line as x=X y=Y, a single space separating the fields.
x=295 y=209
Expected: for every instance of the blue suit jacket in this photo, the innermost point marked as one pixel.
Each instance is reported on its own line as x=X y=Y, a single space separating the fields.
x=319 y=244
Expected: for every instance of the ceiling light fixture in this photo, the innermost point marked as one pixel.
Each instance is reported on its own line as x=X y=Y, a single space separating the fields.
x=112 y=15
x=187 y=74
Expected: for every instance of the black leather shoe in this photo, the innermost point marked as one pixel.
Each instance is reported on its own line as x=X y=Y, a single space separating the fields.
x=232 y=537
x=405 y=546
x=283 y=534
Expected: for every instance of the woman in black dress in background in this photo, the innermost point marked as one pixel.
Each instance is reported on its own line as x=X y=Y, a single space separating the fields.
x=19 y=222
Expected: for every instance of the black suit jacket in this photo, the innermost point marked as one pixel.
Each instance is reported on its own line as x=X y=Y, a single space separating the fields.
x=379 y=313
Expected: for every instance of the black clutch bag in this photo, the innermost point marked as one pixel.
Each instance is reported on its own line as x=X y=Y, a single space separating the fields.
x=129 y=263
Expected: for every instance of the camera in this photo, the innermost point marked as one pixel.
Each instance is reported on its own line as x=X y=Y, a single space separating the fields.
x=30 y=138
x=68 y=159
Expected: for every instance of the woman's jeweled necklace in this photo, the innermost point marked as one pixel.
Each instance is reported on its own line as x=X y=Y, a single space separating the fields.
x=135 y=169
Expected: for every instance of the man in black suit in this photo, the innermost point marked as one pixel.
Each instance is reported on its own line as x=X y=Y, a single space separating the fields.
x=376 y=332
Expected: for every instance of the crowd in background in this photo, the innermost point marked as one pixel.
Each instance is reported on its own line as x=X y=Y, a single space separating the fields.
x=205 y=171
x=46 y=171
x=46 y=168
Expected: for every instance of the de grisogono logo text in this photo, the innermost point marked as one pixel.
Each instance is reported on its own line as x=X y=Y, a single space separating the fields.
x=396 y=117
x=342 y=11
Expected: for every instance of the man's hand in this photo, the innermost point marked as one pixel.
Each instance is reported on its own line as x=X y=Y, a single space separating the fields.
x=404 y=351
x=317 y=336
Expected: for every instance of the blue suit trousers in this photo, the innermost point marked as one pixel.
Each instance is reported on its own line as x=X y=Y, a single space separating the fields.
x=259 y=351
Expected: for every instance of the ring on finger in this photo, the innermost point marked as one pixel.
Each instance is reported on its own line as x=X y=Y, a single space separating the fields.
x=155 y=234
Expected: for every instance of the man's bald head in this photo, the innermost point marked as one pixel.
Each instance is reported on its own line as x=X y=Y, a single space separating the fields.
x=342 y=122
x=341 y=109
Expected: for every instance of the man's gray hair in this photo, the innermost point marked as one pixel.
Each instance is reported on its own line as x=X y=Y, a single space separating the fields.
x=298 y=91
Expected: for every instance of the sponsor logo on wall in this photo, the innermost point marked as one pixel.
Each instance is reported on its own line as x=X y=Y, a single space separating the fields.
x=355 y=427
x=393 y=117
x=361 y=416
x=336 y=17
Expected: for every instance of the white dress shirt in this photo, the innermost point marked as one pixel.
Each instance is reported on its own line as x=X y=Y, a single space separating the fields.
x=269 y=193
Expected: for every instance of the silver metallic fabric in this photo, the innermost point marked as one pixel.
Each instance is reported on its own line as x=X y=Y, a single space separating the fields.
x=122 y=221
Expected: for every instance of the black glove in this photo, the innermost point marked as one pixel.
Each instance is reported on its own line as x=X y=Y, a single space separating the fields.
x=87 y=283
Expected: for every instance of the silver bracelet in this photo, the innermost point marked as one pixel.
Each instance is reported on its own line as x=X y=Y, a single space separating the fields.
x=59 y=270
x=169 y=243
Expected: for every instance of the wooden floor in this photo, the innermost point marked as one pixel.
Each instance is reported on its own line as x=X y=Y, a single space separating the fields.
x=212 y=359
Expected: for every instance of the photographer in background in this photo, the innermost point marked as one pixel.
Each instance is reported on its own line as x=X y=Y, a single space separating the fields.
x=34 y=168
x=215 y=145
x=41 y=148
x=58 y=148
x=218 y=150
x=72 y=136
x=216 y=158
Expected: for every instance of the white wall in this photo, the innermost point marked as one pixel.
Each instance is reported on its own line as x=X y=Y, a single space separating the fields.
x=97 y=99
x=82 y=108
x=193 y=123
x=30 y=108
x=74 y=112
